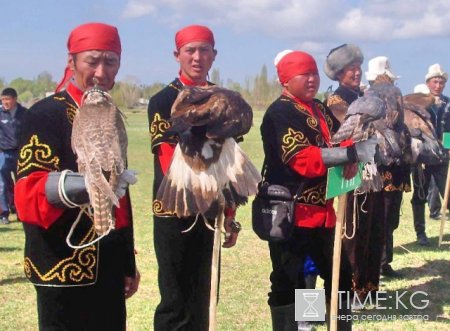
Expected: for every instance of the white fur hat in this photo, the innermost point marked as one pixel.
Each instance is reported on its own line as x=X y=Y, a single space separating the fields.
x=421 y=88
x=378 y=66
x=435 y=70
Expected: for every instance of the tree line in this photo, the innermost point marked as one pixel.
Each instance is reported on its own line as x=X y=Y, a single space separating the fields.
x=259 y=90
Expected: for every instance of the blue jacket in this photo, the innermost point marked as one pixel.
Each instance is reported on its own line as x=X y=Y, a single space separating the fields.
x=10 y=126
x=440 y=116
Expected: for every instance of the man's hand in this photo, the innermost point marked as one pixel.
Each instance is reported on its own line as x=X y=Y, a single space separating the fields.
x=128 y=177
x=350 y=170
x=232 y=228
x=132 y=284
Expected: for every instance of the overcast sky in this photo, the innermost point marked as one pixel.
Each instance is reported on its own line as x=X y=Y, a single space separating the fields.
x=248 y=33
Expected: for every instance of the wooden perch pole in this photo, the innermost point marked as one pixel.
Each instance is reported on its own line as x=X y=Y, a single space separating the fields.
x=215 y=267
x=342 y=205
x=444 y=208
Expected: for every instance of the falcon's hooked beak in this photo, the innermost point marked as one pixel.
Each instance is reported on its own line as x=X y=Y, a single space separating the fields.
x=95 y=95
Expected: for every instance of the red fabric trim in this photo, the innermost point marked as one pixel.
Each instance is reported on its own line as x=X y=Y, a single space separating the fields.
x=188 y=82
x=123 y=216
x=165 y=153
x=346 y=143
x=31 y=202
x=229 y=212
x=308 y=162
x=68 y=74
x=309 y=216
x=75 y=93
x=308 y=106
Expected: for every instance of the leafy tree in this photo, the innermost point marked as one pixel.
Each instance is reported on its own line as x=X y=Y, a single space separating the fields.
x=43 y=83
x=215 y=77
x=150 y=90
x=22 y=85
x=26 y=98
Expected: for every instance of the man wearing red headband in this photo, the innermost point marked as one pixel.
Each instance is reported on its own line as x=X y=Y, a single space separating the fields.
x=184 y=259
x=83 y=288
x=296 y=131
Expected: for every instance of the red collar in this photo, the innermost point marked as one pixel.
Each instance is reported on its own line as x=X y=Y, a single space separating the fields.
x=313 y=112
x=75 y=93
x=189 y=82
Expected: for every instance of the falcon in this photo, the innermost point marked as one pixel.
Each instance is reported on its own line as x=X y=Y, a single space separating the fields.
x=99 y=140
x=425 y=144
x=208 y=165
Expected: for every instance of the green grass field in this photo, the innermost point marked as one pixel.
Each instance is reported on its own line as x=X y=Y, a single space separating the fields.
x=245 y=268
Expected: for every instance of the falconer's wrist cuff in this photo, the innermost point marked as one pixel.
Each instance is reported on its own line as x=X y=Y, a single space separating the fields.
x=66 y=189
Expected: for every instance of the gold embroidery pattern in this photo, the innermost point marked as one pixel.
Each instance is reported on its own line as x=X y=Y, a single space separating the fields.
x=158 y=127
x=175 y=87
x=314 y=196
x=291 y=141
x=36 y=154
x=334 y=100
x=75 y=268
x=158 y=209
x=312 y=122
x=329 y=121
x=302 y=109
x=389 y=186
x=71 y=111
x=402 y=187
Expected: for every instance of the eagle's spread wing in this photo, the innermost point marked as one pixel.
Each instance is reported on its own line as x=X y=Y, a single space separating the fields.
x=208 y=164
x=426 y=147
x=99 y=140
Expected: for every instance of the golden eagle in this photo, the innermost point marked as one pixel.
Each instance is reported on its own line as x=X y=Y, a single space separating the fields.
x=425 y=144
x=363 y=120
x=208 y=165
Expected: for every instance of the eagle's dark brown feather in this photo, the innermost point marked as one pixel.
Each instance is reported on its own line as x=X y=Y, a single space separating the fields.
x=425 y=144
x=208 y=165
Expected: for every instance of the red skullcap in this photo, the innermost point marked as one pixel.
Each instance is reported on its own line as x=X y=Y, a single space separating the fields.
x=94 y=36
x=193 y=33
x=295 y=63
x=91 y=36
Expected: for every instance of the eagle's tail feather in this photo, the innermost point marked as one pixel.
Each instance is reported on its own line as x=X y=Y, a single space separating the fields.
x=244 y=176
x=371 y=180
x=102 y=206
x=97 y=178
x=188 y=191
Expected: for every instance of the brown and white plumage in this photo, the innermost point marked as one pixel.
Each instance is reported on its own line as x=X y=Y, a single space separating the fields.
x=391 y=130
x=208 y=165
x=100 y=142
x=361 y=114
x=360 y=123
x=426 y=147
